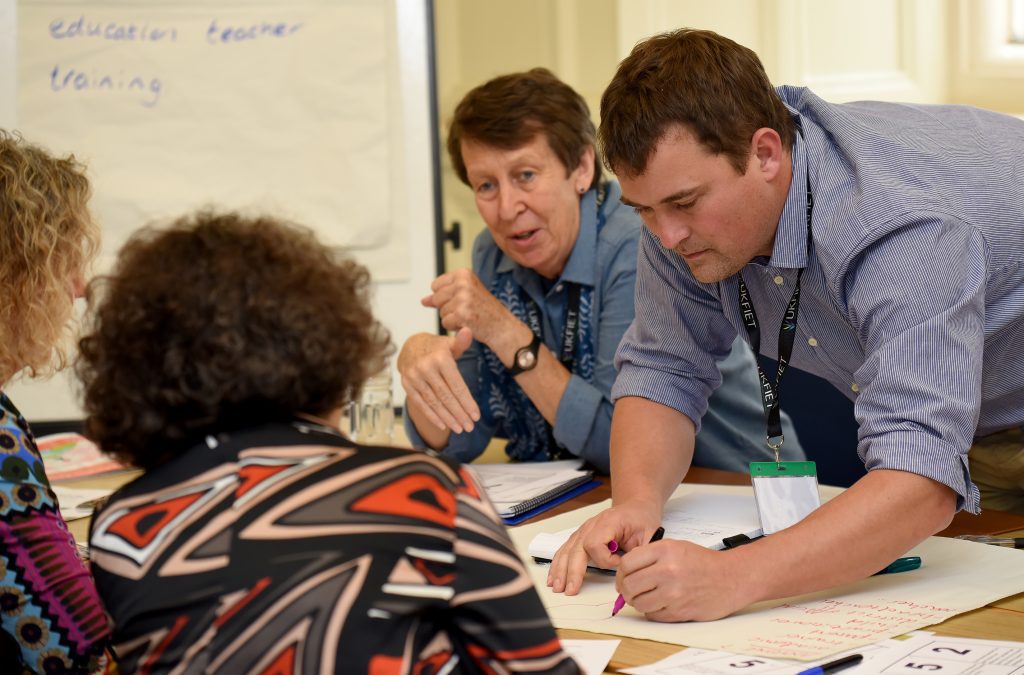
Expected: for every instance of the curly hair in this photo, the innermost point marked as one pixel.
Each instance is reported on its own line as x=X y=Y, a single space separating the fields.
x=218 y=322
x=509 y=110
x=713 y=86
x=47 y=241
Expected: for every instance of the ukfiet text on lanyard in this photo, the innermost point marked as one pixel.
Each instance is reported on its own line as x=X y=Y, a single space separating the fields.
x=770 y=392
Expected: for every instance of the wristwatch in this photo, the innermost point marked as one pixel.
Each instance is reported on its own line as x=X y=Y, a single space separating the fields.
x=526 y=357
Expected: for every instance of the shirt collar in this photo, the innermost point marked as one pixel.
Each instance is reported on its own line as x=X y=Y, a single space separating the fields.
x=581 y=266
x=790 y=249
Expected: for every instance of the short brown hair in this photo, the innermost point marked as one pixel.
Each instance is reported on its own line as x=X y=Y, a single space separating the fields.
x=510 y=110
x=716 y=88
x=47 y=239
x=218 y=322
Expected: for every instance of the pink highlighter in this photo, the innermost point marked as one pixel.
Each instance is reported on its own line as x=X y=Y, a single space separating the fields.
x=620 y=601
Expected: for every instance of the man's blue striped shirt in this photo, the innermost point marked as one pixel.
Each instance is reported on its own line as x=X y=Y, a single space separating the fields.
x=912 y=297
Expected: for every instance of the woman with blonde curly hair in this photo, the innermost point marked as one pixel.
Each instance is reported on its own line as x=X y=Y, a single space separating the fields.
x=50 y=615
x=260 y=538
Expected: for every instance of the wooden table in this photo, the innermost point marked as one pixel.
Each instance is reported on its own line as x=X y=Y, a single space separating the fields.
x=1001 y=620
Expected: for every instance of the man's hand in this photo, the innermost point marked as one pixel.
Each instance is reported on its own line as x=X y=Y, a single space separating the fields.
x=681 y=581
x=651 y=447
x=629 y=525
x=850 y=537
x=433 y=383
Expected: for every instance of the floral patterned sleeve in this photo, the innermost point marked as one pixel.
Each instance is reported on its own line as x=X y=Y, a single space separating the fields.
x=49 y=606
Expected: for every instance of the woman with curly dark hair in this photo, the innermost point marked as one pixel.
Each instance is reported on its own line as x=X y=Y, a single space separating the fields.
x=51 y=619
x=222 y=352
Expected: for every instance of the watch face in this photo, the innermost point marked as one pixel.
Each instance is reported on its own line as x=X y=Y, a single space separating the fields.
x=525 y=359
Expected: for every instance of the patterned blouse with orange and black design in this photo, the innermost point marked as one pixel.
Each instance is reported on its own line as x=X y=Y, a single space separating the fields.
x=288 y=549
x=51 y=617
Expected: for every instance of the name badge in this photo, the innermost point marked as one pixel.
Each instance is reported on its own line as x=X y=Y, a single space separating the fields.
x=785 y=492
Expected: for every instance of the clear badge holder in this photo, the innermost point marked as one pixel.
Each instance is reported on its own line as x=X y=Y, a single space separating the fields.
x=785 y=492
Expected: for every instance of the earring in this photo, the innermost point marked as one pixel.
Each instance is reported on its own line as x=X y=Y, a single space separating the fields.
x=583 y=190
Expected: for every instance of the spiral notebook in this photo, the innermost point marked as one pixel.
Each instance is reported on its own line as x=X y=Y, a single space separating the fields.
x=521 y=489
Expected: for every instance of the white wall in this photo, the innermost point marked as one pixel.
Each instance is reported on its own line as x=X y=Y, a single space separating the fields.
x=987 y=69
x=870 y=49
x=920 y=50
x=396 y=304
x=874 y=49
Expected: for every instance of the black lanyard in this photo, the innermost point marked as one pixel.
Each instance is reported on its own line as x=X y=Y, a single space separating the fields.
x=571 y=333
x=770 y=391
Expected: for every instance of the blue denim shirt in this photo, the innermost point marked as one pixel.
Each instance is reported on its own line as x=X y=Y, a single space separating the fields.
x=734 y=429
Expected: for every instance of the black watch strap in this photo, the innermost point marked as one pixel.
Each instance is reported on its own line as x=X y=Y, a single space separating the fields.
x=526 y=357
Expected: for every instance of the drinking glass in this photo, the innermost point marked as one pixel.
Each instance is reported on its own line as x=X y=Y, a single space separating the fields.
x=373 y=417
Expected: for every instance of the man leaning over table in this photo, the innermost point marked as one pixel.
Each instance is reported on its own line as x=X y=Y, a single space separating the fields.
x=903 y=228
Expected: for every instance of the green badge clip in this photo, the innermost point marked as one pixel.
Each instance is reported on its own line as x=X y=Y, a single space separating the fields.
x=785 y=492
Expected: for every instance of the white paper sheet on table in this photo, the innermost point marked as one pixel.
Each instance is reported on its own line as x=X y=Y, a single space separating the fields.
x=77 y=503
x=591 y=655
x=955 y=576
x=876 y=657
x=703 y=518
x=918 y=652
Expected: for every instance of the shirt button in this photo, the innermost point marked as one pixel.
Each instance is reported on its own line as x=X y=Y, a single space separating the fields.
x=558 y=288
x=779 y=280
x=854 y=387
x=812 y=342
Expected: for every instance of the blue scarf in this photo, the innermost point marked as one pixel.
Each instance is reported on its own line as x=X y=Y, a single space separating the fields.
x=504 y=404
